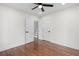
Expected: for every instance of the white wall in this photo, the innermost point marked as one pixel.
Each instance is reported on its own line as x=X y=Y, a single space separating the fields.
x=64 y=27
x=12 y=27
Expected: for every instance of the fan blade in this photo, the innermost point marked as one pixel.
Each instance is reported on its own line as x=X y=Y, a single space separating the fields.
x=38 y=3
x=34 y=8
x=42 y=9
x=47 y=5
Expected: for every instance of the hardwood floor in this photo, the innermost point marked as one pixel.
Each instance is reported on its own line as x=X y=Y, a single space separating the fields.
x=45 y=48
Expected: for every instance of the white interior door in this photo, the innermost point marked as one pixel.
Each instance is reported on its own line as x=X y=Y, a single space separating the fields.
x=29 y=33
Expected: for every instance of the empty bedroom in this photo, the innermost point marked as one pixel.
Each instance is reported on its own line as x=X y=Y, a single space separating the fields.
x=39 y=29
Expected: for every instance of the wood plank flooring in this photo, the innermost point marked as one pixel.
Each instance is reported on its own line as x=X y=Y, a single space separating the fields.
x=45 y=48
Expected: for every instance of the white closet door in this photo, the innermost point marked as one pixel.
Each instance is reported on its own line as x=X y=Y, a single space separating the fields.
x=29 y=33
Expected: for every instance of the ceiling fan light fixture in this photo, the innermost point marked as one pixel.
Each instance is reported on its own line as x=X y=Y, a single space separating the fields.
x=40 y=6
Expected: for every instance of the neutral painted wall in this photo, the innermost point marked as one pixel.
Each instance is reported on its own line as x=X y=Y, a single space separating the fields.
x=63 y=26
x=12 y=27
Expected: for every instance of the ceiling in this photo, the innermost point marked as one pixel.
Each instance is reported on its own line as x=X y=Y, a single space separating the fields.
x=27 y=7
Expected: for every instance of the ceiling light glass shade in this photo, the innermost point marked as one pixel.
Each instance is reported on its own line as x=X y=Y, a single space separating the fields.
x=40 y=6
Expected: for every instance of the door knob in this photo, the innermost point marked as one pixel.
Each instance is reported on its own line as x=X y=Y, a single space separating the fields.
x=26 y=32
